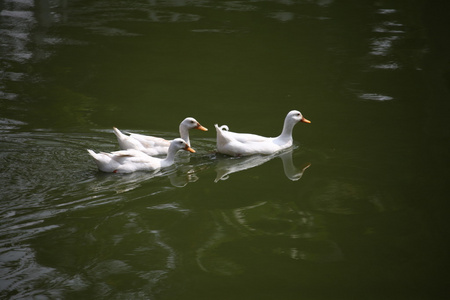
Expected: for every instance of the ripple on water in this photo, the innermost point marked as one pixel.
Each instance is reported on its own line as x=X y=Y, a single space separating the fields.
x=47 y=177
x=45 y=173
x=39 y=169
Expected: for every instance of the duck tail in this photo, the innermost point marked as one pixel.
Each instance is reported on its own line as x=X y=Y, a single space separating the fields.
x=92 y=153
x=222 y=128
x=221 y=137
x=118 y=133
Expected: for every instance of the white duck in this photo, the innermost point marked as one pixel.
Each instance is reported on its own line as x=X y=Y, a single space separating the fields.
x=127 y=161
x=243 y=144
x=152 y=145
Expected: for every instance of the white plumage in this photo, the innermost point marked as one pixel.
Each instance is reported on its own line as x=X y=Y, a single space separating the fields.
x=131 y=160
x=152 y=145
x=243 y=144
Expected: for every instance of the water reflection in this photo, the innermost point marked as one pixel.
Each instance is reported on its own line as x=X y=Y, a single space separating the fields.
x=45 y=179
x=121 y=183
x=388 y=33
x=231 y=165
x=105 y=260
x=9 y=124
x=280 y=229
x=53 y=193
x=68 y=231
x=25 y=27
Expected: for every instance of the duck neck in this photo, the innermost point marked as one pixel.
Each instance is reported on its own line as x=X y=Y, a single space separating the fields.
x=184 y=134
x=170 y=158
x=286 y=134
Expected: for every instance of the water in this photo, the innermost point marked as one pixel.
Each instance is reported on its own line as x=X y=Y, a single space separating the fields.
x=356 y=209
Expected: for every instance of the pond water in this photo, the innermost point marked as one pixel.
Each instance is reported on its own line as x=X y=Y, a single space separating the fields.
x=356 y=209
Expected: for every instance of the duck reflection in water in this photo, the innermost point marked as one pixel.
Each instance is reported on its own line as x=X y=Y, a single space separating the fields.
x=121 y=183
x=225 y=167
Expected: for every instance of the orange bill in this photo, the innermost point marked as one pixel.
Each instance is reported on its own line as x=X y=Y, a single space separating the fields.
x=200 y=127
x=187 y=148
x=305 y=120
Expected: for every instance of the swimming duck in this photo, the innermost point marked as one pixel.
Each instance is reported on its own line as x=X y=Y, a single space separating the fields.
x=243 y=144
x=131 y=160
x=152 y=145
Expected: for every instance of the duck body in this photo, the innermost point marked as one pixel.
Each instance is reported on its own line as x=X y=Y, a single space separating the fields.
x=132 y=160
x=149 y=145
x=152 y=145
x=229 y=145
x=244 y=144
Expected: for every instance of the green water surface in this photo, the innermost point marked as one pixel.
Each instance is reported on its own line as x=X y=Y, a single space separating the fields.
x=357 y=209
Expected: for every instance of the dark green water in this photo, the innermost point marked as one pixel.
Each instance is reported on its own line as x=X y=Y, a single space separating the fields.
x=366 y=220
